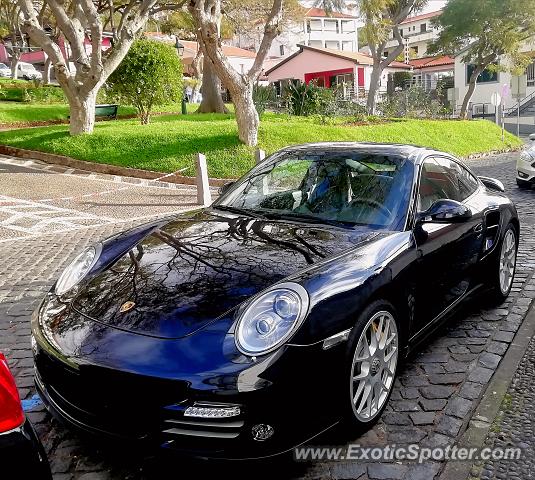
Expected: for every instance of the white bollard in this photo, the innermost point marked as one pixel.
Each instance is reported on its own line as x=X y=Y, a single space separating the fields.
x=204 y=197
x=259 y=155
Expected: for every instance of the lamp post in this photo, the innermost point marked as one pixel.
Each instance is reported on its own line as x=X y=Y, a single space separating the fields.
x=180 y=50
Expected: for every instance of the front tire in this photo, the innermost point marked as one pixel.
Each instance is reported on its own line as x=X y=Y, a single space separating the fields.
x=504 y=267
x=372 y=364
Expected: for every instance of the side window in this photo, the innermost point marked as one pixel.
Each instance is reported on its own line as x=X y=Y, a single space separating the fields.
x=465 y=183
x=442 y=178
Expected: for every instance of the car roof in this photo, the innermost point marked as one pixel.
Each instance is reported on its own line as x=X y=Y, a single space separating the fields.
x=413 y=153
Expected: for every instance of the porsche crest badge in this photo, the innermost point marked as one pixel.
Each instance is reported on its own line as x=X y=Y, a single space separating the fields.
x=127 y=306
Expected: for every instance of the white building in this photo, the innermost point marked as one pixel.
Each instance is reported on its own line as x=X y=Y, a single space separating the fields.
x=417 y=32
x=337 y=31
x=490 y=82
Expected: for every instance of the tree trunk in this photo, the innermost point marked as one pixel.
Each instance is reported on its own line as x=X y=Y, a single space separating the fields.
x=471 y=89
x=375 y=80
x=246 y=115
x=46 y=72
x=211 y=91
x=15 y=59
x=82 y=113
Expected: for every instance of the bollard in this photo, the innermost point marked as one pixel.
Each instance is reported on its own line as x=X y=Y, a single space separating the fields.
x=204 y=197
x=259 y=155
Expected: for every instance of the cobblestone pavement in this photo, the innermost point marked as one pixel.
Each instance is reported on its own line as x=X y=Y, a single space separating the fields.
x=431 y=404
x=514 y=427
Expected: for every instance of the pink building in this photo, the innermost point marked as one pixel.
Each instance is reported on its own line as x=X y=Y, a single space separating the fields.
x=37 y=56
x=328 y=67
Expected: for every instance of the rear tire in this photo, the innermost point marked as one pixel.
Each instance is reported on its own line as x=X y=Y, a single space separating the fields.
x=371 y=365
x=504 y=265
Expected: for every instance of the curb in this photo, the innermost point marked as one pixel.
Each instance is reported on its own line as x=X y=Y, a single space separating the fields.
x=103 y=167
x=489 y=406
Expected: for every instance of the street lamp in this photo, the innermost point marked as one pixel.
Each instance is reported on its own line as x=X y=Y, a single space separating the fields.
x=180 y=49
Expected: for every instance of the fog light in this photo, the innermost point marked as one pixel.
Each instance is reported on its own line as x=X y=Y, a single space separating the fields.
x=212 y=412
x=262 y=432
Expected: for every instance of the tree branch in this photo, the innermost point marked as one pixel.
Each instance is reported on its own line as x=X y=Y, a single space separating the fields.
x=271 y=30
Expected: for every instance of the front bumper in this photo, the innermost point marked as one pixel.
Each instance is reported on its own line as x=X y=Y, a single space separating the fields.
x=300 y=404
x=525 y=170
x=22 y=455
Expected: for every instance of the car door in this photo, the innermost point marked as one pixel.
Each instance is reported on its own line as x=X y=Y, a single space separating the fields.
x=447 y=252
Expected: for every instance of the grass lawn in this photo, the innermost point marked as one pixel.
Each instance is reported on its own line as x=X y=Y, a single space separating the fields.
x=12 y=112
x=170 y=142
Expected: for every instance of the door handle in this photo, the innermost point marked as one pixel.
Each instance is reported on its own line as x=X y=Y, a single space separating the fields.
x=478 y=228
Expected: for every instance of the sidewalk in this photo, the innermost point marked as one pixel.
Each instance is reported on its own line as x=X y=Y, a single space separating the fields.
x=514 y=426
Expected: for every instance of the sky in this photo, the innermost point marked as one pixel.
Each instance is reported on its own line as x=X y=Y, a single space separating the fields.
x=434 y=5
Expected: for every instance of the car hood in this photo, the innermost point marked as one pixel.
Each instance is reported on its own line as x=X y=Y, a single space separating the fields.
x=192 y=270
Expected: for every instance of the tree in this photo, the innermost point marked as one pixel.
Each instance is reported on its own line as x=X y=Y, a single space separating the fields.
x=182 y=25
x=382 y=18
x=207 y=16
x=10 y=27
x=150 y=74
x=483 y=31
x=88 y=66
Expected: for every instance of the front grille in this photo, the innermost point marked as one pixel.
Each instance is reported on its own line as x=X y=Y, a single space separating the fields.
x=176 y=425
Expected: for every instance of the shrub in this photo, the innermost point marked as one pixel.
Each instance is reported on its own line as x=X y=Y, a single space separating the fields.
x=308 y=99
x=401 y=80
x=263 y=96
x=149 y=75
x=414 y=102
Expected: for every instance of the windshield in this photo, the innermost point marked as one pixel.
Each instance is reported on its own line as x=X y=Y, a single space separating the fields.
x=343 y=186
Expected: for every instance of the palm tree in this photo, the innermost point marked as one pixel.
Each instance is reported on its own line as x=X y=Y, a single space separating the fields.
x=331 y=5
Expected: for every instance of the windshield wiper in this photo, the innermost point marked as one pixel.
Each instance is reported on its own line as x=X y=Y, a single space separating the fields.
x=308 y=218
x=239 y=211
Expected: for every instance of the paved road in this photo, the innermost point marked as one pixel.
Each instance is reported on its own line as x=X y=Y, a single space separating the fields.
x=34 y=199
x=431 y=403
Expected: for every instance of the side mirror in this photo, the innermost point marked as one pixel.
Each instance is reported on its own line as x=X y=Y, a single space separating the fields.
x=225 y=188
x=445 y=211
x=532 y=137
x=492 y=183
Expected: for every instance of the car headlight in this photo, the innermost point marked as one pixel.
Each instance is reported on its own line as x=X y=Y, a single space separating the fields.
x=271 y=318
x=77 y=270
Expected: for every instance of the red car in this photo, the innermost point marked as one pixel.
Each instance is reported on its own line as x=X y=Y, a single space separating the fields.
x=21 y=453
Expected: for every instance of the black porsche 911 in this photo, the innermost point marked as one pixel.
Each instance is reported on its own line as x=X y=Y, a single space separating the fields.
x=249 y=327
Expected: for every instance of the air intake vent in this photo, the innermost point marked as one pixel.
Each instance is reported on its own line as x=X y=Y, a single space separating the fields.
x=175 y=424
x=492 y=223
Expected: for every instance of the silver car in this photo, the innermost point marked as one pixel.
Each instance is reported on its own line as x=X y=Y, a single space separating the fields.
x=5 y=71
x=525 y=166
x=28 y=72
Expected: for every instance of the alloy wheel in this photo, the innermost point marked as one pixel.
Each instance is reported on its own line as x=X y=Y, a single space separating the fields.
x=374 y=366
x=507 y=261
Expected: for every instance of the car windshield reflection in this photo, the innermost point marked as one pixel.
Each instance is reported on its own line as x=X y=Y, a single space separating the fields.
x=343 y=188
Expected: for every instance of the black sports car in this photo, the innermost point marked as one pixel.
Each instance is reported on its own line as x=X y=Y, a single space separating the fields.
x=247 y=328
x=21 y=452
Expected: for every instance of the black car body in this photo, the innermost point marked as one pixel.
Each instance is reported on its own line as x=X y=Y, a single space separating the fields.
x=21 y=452
x=156 y=341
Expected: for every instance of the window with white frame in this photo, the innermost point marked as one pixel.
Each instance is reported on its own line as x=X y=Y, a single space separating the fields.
x=331 y=26
x=347 y=46
x=332 y=44
x=348 y=26
x=315 y=43
x=315 y=25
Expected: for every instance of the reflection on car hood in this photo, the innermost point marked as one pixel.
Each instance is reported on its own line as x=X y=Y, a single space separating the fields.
x=191 y=271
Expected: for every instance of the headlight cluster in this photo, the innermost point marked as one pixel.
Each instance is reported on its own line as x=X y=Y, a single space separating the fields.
x=271 y=319
x=77 y=270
